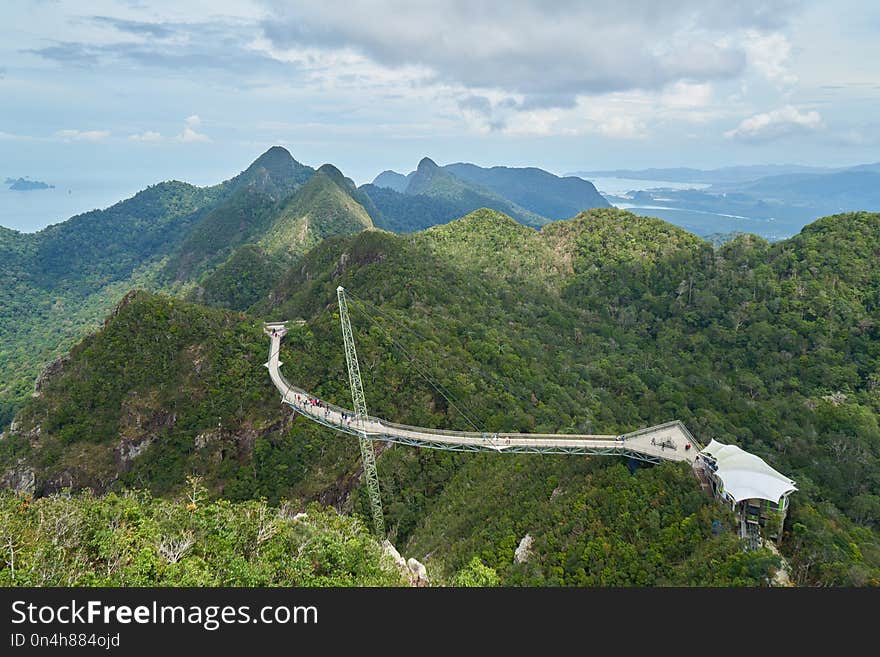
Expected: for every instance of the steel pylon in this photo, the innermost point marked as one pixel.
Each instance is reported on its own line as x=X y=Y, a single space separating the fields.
x=368 y=456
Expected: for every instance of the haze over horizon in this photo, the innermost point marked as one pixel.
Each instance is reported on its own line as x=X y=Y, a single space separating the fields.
x=197 y=90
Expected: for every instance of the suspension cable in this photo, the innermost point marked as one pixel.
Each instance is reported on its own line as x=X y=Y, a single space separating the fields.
x=418 y=365
x=476 y=370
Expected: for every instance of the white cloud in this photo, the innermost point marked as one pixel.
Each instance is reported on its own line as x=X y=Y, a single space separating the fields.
x=769 y=55
x=687 y=95
x=622 y=127
x=82 y=135
x=531 y=47
x=190 y=135
x=148 y=136
x=777 y=123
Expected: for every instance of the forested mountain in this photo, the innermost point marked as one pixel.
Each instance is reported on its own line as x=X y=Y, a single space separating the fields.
x=430 y=185
x=134 y=539
x=433 y=195
x=602 y=323
x=219 y=245
x=534 y=189
x=325 y=206
x=408 y=213
x=243 y=217
x=392 y=180
x=57 y=284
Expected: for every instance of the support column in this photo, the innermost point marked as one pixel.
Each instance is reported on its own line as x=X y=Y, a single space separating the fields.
x=368 y=456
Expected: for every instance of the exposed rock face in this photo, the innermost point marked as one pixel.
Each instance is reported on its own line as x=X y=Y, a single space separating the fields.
x=391 y=552
x=412 y=569
x=524 y=549
x=129 y=450
x=21 y=479
x=418 y=572
x=49 y=372
x=126 y=300
x=143 y=421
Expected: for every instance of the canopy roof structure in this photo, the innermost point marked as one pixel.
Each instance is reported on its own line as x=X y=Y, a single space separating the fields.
x=746 y=476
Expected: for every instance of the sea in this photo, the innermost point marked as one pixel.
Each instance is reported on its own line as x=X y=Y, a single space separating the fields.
x=700 y=222
x=619 y=186
x=29 y=211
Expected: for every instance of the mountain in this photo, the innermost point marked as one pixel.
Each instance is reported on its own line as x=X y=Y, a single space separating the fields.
x=734 y=174
x=846 y=190
x=407 y=213
x=59 y=283
x=434 y=195
x=534 y=189
x=243 y=217
x=391 y=180
x=134 y=539
x=430 y=196
x=325 y=206
x=875 y=167
x=601 y=323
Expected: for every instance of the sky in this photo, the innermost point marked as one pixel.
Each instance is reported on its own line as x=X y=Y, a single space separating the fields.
x=149 y=90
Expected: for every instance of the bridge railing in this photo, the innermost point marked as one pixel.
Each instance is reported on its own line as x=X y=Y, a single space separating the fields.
x=318 y=412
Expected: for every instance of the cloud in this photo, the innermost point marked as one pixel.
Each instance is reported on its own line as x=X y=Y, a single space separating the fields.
x=190 y=134
x=69 y=53
x=548 y=51
x=770 y=55
x=687 y=95
x=177 y=47
x=775 y=124
x=138 y=28
x=82 y=135
x=622 y=127
x=148 y=136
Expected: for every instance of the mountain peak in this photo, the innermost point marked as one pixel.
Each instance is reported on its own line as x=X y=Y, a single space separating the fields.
x=275 y=172
x=275 y=156
x=391 y=180
x=427 y=164
x=333 y=173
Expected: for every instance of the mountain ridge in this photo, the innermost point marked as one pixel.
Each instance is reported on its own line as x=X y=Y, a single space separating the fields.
x=617 y=339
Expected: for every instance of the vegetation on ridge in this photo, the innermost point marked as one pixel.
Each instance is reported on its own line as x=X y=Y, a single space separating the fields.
x=611 y=322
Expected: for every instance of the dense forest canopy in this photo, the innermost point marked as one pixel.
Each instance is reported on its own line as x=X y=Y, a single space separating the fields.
x=606 y=322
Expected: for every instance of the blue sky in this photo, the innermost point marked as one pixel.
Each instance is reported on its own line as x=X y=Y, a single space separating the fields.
x=150 y=90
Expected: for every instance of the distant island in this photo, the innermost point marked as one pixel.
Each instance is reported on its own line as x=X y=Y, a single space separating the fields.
x=27 y=185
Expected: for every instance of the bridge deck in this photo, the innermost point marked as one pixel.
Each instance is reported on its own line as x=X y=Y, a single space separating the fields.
x=667 y=441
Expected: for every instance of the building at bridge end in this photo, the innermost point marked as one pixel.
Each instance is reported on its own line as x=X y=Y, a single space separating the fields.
x=757 y=493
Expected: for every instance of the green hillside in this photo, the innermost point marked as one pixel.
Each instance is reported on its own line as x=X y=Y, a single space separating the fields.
x=133 y=539
x=534 y=189
x=433 y=195
x=603 y=323
x=56 y=285
x=409 y=213
x=323 y=207
x=252 y=206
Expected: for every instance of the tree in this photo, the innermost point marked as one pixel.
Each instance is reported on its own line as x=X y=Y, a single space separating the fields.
x=476 y=574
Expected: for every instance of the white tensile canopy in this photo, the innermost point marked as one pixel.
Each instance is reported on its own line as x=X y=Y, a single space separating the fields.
x=746 y=476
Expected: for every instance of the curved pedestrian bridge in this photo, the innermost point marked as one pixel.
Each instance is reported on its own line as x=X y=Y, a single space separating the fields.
x=670 y=441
